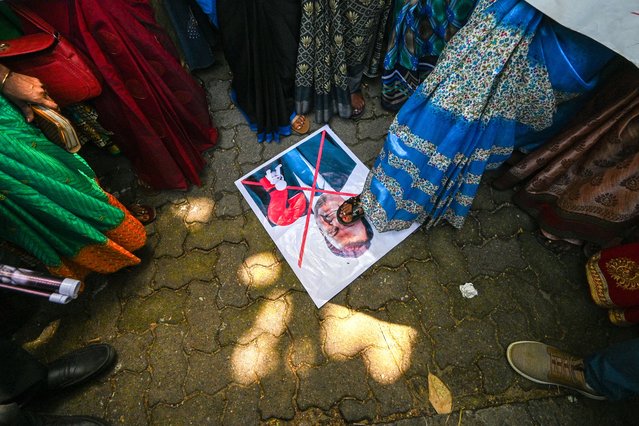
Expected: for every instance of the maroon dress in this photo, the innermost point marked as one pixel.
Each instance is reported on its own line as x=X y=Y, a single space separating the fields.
x=157 y=110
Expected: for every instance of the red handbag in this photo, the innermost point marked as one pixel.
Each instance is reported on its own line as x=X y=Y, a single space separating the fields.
x=66 y=73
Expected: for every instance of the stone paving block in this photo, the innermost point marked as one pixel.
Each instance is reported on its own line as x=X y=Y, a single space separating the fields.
x=511 y=327
x=274 y=281
x=196 y=410
x=464 y=383
x=480 y=263
x=229 y=205
x=241 y=406
x=201 y=377
x=228 y=119
x=202 y=316
x=326 y=385
x=102 y=324
x=255 y=235
x=542 y=316
x=434 y=306
x=496 y=374
x=355 y=411
x=136 y=281
x=220 y=100
x=447 y=255
x=493 y=293
x=195 y=265
x=393 y=398
x=132 y=351
x=271 y=149
x=128 y=404
x=304 y=328
x=504 y=223
x=206 y=236
x=172 y=231
x=483 y=200
x=470 y=234
x=346 y=130
x=232 y=291
x=92 y=399
x=413 y=247
x=226 y=170
x=250 y=151
x=278 y=387
x=377 y=287
x=478 y=337
x=373 y=129
x=162 y=307
x=168 y=365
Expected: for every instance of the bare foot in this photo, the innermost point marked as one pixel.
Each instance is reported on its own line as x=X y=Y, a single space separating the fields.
x=358 y=104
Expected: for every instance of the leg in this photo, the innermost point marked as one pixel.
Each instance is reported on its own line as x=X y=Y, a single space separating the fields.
x=614 y=371
x=19 y=372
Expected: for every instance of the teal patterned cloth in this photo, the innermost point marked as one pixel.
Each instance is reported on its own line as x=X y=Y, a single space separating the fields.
x=420 y=31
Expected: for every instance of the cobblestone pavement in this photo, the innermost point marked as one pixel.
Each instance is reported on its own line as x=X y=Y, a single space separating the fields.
x=215 y=328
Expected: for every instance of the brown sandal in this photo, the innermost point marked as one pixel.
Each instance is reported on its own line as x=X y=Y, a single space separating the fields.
x=350 y=211
x=144 y=213
x=300 y=124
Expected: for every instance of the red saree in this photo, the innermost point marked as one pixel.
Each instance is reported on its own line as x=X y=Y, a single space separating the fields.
x=158 y=112
x=613 y=277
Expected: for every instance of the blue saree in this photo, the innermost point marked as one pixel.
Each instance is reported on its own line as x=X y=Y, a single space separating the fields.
x=507 y=80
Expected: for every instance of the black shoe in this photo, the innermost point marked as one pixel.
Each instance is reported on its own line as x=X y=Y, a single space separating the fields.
x=79 y=366
x=51 y=420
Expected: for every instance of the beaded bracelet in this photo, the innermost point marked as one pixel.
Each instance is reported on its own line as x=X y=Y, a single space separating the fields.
x=4 y=80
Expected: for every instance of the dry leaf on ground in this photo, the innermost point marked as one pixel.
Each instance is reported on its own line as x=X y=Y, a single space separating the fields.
x=439 y=395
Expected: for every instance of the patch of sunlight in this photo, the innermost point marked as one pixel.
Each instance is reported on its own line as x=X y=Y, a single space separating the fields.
x=256 y=355
x=199 y=209
x=385 y=347
x=260 y=270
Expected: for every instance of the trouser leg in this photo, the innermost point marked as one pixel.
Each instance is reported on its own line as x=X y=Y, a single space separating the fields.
x=19 y=372
x=614 y=371
x=13 y=415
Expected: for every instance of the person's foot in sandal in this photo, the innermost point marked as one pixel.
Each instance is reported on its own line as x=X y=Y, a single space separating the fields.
x=350 y=211
x=300 y=124
x=357 y=104
x=144 y=213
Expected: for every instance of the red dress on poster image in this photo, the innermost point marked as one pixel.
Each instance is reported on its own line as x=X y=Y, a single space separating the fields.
x=157 y=110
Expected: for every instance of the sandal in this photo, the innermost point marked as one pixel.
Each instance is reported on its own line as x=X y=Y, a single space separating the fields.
x=350 y=211
x=555 y=246
x=300 y=124
x=144 y=213
x=357 y=112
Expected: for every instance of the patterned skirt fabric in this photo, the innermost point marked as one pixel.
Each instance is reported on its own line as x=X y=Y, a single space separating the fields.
x=260 y=44
x=52 y=206
x=613 y=277
x=499 y=78
x=421 y=29
x=584 y=183
x=338 y=39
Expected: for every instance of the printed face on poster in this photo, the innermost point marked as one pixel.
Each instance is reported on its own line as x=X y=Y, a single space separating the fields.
x=296 y=195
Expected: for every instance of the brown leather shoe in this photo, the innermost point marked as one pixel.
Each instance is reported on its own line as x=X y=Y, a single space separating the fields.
x=549 y=366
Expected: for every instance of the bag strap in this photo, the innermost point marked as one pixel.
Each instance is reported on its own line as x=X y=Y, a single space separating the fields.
x=30 y=16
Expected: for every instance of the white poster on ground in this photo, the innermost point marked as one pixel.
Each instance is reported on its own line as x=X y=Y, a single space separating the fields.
x=296 y=194
x=613 y=23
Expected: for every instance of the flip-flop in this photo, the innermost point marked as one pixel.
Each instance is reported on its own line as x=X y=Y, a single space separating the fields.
x=350 y=211
x=304 y=127
x=144 y=213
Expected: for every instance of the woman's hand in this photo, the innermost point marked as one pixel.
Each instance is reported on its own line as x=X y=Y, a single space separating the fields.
x=23 y=90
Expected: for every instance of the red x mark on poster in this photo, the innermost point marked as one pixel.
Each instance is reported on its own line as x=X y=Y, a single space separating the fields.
x=313 y=188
